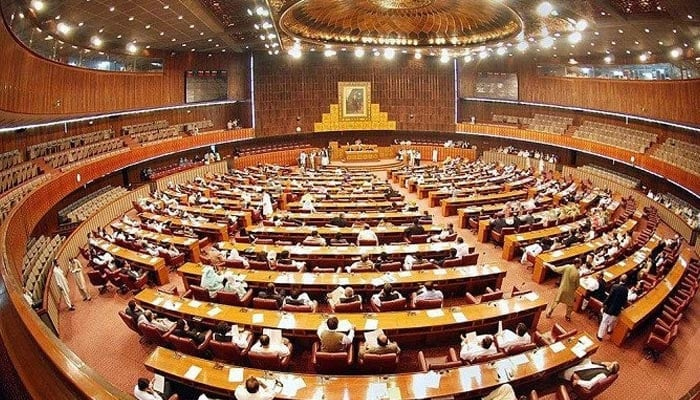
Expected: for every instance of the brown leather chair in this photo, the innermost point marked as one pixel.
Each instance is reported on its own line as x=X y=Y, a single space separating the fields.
x=424 y=266
x=268 y=361
x=659 y=340
x=455 y=262
x=418 y=238
x=188 y=346
x=391 y=266
x=439 y=363
x=134 y=284
x=259 y=265
x=199 y=293
x=424 y=304
x=355 y=306
x=491 y=295
x=520 y=348
x=174 y=396
x=234 y=264
x=232 y=299
x=331 y=363
x=99 y=280
x=598 y=388
x=129 y=321
x=265 y=304
x=369 y=242
x=560 y=394
x=470 y=259
x=152 y=335
x=378 y=363
x=556 y=334
x=497 y=237
x=229 y=352
x=393 y=305
x=486 y=358
x=305 y=308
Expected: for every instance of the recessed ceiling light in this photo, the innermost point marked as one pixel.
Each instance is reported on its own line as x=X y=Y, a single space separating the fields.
x=148 y=26
x=201 y=33
x=63 y=28
x=210 y=39
x=575 y=37
x=643 y=57
x=620 y=31
x=646 y=30
x=111 y=9
x=581 y=25
x=547 y=42
x=131 y=18
x=184 y=45
x=607 y=59
x=191 y=26
x=37 y=5
x=417 y=55
x=81 y=23
x=329 y=52
x=165 y=7
x=96 y=41
x=522 y=46
x=119 y=36
x=101 y=30
x=359 y=52
x=544 y=9
x=173 y=40
x=501 y=51
x=444 y=57
x=690 y=16
x=675 y=53
x=131 y=48
x=180 y=17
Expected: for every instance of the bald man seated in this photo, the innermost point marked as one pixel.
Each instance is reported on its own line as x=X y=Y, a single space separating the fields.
x=384 y=346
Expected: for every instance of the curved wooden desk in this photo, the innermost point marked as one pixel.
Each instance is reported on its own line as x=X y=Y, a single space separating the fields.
x=410 y=326
x=188 y=245
x=632 y=316
x=456 y=281
x=461 y=383
x=156 y=265
x=215 y=228
x=512 y=242
x=395 y=217
x=351 y=206
x=385 y=234
x=450 y=206
x=346 y=252
x=615 y=271
x=540 y=272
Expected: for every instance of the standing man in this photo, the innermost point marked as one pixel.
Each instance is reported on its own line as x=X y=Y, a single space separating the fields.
x=76 y=269
x=62 y=284
x=613 y=305
x=567 y=287
x=266 y=204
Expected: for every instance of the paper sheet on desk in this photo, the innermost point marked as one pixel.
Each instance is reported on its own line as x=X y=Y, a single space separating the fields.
x=194 y=303
x=432 y=380
x=440 y=271
x=435 y=312
x=158 y=383
x=376 y=282
x=157 y=301
x=557 y=253
x=404 y=274
x=585 y=341
x=258 y=318
x=371 y=337
x=193 y=372
x=371 y=324
x=394 y=393
x=214 y=311
x=343 y=281
x=532 y=296
x=287 y=322
x=291 y=385
x=308 y=278
x=377 y=390
x=344 y=325
x=459 y=317
x=557 y=347
x=520 y=359
x=235 y=374
x=579 y=350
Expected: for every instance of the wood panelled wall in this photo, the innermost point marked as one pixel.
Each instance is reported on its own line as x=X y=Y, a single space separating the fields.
x=218 y=114
x=30 y=84
x=418 y=94
x=667 y=100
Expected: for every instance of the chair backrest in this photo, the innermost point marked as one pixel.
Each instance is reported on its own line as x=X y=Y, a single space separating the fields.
x=367 y=242
x=488 y=357
x=325 y=362
x=259 y=265
x=152 y=335
x=265 y=304
x=427 y=304
x=229 y=298
x=455 y=262
x=129 y=321
x=183 y=345
x=450 y=238
x=200 y=293
x=264 y=241
x=470 y=259
x=520 y=348
x=425 y=265
x=355 y=306
x=268 y=361
x=380 y=363
x=233 y=264
x=497 y=295
x=598 y=388
x=393 y=305
x=298 y=308
x=418 y=238
x=228 y=352
x=97 y=278
x=391 y=266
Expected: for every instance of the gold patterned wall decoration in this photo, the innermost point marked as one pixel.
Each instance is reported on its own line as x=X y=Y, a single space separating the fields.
x=354 y=111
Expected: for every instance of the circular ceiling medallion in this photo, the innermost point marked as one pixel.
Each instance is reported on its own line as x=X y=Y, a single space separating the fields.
x=401 y=4
x=416 y=23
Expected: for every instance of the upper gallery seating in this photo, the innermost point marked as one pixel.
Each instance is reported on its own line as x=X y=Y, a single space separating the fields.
x=81 y=153
x=622 y=179
x=37 y=264
x=548 y=123
x=10 y=199
x=679 y=153
x=508 y=119
x=10 y=159
x=83 y=208
x=160 y=130
x=67 y=143
x=618 y=136
x=144 y=127
x=15 y=176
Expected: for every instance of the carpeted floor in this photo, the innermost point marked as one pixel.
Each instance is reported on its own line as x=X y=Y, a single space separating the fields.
x=97 y=335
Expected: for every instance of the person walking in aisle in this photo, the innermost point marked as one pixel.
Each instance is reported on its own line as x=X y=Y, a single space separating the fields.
x=76 y=269
x=567 y=287
x=62 y=284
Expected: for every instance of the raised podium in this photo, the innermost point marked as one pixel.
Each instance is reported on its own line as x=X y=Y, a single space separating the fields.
x=360 y=152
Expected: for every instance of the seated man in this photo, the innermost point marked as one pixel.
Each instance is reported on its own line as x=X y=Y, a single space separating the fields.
x=366 y=234
x=333 y=340
x=253 y=389
x=315 y=239
x=415 y=229
x=144 y=391
x=263 y=346
x=343 y=296
x=363 y=264
x=271 y=292
x=507 y=338
x=428 y=292
x=475 y=346
x=162 y=324
x=211 y=280
x=133 y=310
x=234 y=284
x=298 y=298
x=444 y=233
x=503 y=392
x=537 y=248
x=386 y=294
x=462 y=248
x=183 y=330
x=339 y=221
x=339 y=240
x=233 y=255
x=224 y=332
x=587 y=373
x=384 y=346
x=284 y=259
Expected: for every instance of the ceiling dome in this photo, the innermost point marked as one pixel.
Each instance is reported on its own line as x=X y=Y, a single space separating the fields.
x=401 y=22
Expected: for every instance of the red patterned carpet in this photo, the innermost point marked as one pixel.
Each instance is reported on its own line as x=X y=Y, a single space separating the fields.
x=97 y=335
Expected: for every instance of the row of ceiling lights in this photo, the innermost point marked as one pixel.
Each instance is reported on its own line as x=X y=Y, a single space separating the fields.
x=266 y=29
x=96 y=41
x=544 y=9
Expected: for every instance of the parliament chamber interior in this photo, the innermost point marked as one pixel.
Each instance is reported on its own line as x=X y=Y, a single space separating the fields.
x=349 y=199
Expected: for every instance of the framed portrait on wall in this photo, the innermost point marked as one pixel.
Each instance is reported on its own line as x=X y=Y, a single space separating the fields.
x=354 y=99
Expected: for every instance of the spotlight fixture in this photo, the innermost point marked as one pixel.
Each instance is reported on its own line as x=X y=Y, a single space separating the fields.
x=359 y=52
x=544 y=9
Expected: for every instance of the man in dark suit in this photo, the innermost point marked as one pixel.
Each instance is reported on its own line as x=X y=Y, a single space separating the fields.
x=415 y=229
x=339 y=221
x=612 y=307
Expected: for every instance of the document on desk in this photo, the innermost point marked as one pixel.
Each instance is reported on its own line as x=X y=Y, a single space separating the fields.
x=194 y=303
x=432 y=379
x=343 y=281
x=557 y=253
x=557 y=347
x=193 y=372
x=394 y=393
x=435 y=313
x=235 y=374
x=377 y=390
x=532 y=296
x=404 y=274
x=275 y=336
x=520 y=359
x=291 y=385
x=440 y=271
x=371 y=337
x=157 y=301
x=579 y=350
x=308 y=278
x=287 y=322
x=214 y=311
x=258 y=318
x=371 y=324
x=344 y=325
x=376 y=282
x=459 y=317
x=158 y=383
